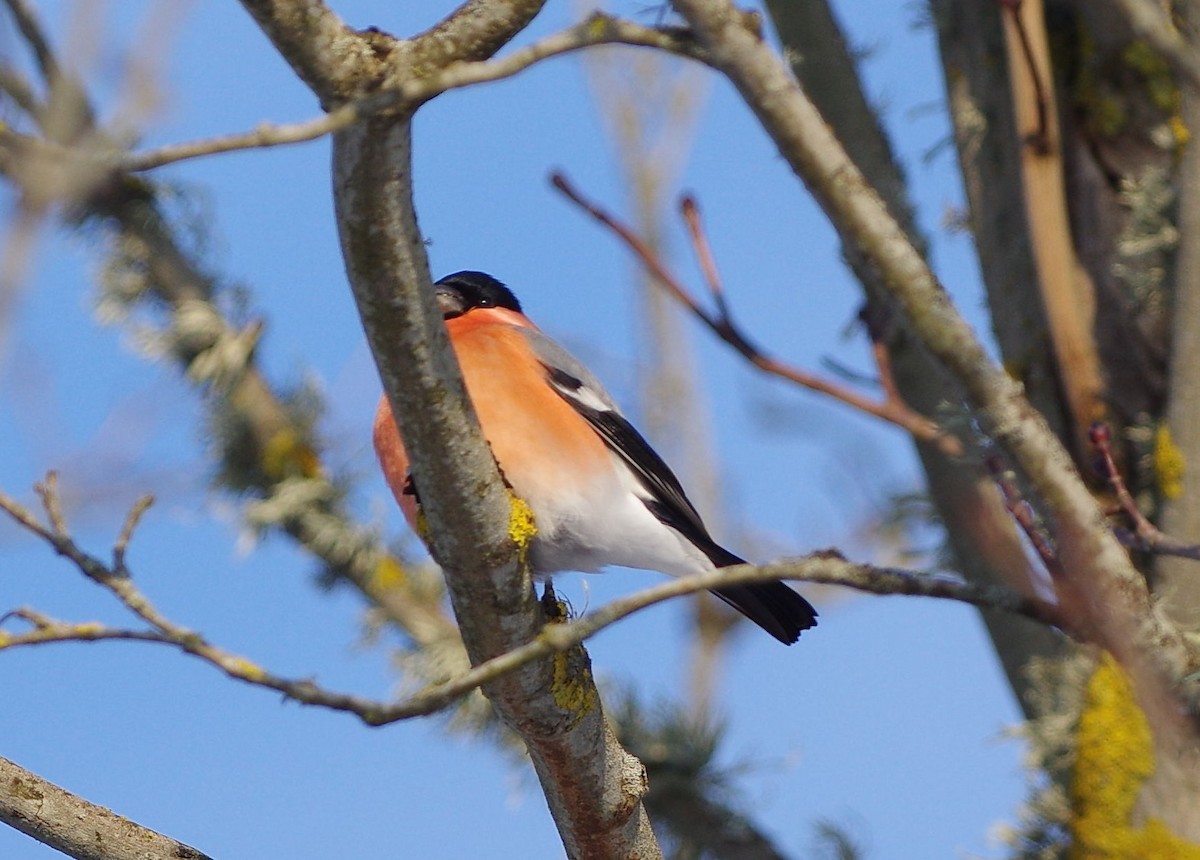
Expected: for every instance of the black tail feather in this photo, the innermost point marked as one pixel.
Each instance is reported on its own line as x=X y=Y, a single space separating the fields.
x=773 y=606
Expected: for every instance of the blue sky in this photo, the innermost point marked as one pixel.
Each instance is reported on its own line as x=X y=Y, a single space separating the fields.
x=888 y=719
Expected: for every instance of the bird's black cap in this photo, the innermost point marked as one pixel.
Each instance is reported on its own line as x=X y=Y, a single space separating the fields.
x=464 y=291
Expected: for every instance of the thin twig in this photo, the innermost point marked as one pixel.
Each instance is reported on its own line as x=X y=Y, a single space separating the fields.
x=1025 y=516
x=1145 y=536
x=48 y=492
x=33 y=34
x=14 y=84
x=597 y=29
x=131 y=521
x=894 y=411
x=1072 y=605
x=825 y=568
x=708 y=265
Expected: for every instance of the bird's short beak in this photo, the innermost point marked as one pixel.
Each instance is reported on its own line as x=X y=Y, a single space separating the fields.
x=450 y=302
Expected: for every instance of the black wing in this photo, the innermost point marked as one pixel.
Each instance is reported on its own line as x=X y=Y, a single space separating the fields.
x=771 y=605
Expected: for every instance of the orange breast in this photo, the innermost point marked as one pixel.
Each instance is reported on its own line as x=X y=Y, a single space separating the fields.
x=545 y=449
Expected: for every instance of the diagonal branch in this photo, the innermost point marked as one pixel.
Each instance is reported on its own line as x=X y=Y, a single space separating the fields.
x=1145 y=536
x=35 y=37
x=474 y=31
x=271 y=456
x=77 y=828
x=892 y=409
x=1120 y=604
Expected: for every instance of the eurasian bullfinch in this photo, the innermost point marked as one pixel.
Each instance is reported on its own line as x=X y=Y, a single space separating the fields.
x=599 y=493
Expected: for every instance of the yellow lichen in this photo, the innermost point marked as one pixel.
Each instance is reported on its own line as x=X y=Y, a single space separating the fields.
x=1169 y=463
x=389 y=573
x=288 y=454
x=1179 y=131
x=243 y=668
x=598 y=25
x=421 y=525
x=1115 y=756
x=573 y=688
x=522 y=527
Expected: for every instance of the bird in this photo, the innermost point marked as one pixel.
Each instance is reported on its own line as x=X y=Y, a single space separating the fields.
x=599 y=493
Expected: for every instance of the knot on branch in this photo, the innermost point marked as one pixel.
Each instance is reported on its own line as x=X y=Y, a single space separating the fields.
x=217 y=354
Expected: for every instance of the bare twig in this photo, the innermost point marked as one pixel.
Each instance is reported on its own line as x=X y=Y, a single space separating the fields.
x=708 y=265
x=263 y=136
x=17 y=88
x=1025 y=516
x=1145 y=535
x=1073 y=615
x=34 y=36
x=597 y=29
x=824 y=568
x=44 y=629
x=131 y=521
x=893 y=409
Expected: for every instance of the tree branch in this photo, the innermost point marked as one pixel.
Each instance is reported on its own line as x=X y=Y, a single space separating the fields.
x=474 y=31
x=35 y=37
x=892 y=409
x=1145 y=536
x=116 y=578
x=333 y=59
x=985 y=544
x=1122 y=612
x=77 y=828
x=556 y=638
x=593 y=787
x=1067 y=291
x=598 y=29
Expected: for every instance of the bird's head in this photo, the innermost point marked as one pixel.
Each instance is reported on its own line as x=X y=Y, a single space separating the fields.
x=465 y=291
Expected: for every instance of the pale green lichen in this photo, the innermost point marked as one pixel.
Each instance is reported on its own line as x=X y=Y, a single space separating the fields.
x=1160 y=84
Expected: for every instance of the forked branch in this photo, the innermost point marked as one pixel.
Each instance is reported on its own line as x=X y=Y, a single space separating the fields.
x=892 y=408
x=823 y=568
